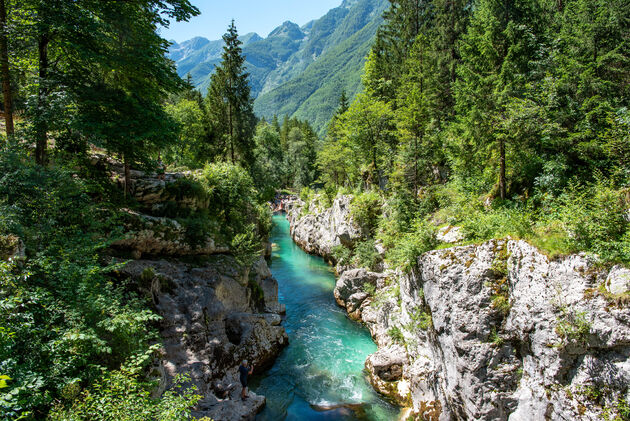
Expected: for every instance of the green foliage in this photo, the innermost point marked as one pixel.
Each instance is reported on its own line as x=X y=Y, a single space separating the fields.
x=269 y=171
x=591 y=218
x=365 y=210
x=246 y=247
x=231 y=196
x=191 y=149
x=404 y=248
x=396 y=334
x=495 y=338
x=369 y=289
x=341 y=254
x=573 y=326
x=230 y=105
x=421 y=319
x=365 y=255
x=64 y=319
x=121 y=395
x=501 y=303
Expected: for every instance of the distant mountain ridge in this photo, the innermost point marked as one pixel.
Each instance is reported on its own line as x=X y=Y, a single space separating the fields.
x=296 y=71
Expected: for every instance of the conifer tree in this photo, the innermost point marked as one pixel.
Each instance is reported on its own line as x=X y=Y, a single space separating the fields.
x=230 y=104
x=498 y=56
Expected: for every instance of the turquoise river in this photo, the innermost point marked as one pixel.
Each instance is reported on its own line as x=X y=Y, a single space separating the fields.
x=320 y=375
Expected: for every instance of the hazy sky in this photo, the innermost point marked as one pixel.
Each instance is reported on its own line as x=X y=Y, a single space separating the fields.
x=260 y=16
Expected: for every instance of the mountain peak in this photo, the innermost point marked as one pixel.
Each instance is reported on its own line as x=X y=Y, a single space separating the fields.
x=250 y=37
x=288 y=29
x=347 y=4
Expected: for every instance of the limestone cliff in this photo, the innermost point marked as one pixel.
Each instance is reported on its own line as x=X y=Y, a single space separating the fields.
x=318 y=232
x=215 y=311
x=495 y=331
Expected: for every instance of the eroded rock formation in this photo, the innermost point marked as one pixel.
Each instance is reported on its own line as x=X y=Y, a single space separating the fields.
x=211 y=321
x=317 y=233
x=215 y=311
x=496 y=331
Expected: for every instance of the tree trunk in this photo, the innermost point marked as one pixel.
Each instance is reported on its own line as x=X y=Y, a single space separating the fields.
x=4 y=65
x=231 y=132
x=502 y=186
x=41 y=134
x=415 y=169
x=127 y=176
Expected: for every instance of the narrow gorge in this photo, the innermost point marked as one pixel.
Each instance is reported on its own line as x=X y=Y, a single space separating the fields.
x=495 y=330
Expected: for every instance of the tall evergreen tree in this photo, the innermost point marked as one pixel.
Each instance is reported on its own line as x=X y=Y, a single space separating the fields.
x=499 y=53
x=230 y=104
x=4 y=71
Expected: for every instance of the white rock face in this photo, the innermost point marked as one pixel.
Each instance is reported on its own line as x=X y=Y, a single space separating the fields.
x=494 y=331
x=535 y=358
x=319 y=233
x=450 y=234
x=158 y=236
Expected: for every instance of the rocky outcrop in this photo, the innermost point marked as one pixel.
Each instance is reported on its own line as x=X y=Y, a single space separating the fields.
x=214 y=312
x=159 y=236
x=11 y=248
x=151 y=193
x=212 y=319
x=317 y=233
x=496 y=331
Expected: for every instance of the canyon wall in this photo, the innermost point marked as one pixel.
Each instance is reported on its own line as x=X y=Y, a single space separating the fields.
x=495 y=331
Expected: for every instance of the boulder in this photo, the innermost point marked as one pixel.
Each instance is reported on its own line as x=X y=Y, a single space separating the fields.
x=320 y=233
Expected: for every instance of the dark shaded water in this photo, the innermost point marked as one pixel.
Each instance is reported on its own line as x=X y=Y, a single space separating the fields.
x=323 y=365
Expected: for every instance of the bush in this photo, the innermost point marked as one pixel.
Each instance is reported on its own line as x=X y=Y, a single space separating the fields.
x=121 y=396
x=365 y=255
x=505 y=219
x=365 y=211
x=232 y=197
x=396 y=334
x=593 y=219
x=64 y=318
x=403 y=249
x=341 y=254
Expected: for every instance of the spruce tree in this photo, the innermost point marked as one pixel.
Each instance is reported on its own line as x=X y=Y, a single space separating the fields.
x=230 y=104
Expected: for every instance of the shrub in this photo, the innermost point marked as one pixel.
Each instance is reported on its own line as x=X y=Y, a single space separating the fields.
x=403 y=249
x=365 y=211
x=246 y=247
x=121 y=395
x=396 y=334
x=365 y=255
x=573 y=327
x=341 y=254
x=594 y=220
x=64 y=318
x=231 y=193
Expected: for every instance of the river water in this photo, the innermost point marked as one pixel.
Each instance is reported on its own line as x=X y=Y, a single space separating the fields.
x=322 y=368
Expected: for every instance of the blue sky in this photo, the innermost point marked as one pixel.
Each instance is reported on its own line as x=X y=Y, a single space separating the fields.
x=260 y=16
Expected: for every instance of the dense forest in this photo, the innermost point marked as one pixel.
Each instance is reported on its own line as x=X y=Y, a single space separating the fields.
x=505 y=118
x=502 y=117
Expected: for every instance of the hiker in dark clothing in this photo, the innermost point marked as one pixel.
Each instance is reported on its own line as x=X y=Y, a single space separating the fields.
x=244 y=371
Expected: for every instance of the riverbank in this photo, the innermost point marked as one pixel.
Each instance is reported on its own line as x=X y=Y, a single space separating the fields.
x=491 y=331
x=319 y=376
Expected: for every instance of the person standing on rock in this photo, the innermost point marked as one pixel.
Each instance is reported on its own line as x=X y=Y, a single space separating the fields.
x=244 y=372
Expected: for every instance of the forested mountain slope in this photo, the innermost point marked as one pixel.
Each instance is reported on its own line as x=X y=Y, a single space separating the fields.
x=296 y=71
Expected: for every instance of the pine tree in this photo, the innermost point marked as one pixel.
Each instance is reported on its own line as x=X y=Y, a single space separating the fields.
x=230 y=104
x=4 y=71
x=499 y=53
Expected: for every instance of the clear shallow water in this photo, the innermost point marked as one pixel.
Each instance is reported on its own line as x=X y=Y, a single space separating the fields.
x=323 y=364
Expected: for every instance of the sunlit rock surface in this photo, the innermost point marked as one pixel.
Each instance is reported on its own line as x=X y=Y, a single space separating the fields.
x=496 y=331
